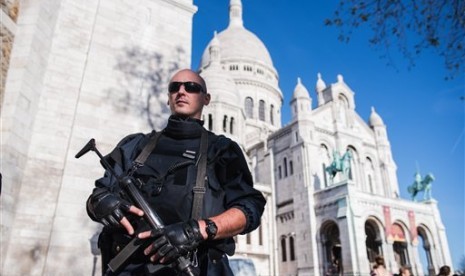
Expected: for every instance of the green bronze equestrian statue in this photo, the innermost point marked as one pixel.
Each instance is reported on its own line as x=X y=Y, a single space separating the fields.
x=421 y=185
x=339 y=164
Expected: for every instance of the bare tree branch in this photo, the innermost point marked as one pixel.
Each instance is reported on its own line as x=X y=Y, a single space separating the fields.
x=411 y=25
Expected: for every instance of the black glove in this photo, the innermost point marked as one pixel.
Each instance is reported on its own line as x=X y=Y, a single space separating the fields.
x=107 y=208
x=176 y=240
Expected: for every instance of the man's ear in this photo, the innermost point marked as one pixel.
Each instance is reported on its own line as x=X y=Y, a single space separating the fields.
x=207 y=99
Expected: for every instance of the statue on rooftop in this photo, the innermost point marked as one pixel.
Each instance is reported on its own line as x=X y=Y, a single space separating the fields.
x=421 y=185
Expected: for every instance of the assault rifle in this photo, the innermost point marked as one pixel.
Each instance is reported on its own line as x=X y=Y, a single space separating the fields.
x=182 y=265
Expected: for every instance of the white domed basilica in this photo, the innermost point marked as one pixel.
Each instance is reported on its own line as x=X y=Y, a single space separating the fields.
x=317 y=221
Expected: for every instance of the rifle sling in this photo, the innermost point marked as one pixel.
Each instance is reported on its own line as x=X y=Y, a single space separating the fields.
x=140 y=160
x=199 y=189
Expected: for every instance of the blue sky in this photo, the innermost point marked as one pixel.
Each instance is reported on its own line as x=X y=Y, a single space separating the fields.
x=423 y=113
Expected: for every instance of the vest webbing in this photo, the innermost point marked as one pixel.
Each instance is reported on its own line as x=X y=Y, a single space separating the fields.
x=199 y=188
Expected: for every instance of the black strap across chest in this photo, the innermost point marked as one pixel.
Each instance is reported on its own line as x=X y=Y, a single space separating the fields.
x=199 y=188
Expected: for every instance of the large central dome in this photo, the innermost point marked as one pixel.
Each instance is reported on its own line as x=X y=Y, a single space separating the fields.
x=238 y=43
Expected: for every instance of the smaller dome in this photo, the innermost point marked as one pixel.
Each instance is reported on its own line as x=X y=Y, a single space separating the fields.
x=214 y=51
x=300 y=91
x=320 y=84
x=375 y=119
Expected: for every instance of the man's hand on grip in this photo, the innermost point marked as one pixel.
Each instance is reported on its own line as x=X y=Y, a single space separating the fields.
x=173 y=241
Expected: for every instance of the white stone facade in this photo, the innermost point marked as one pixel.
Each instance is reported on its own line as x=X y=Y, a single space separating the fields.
x=99 y=70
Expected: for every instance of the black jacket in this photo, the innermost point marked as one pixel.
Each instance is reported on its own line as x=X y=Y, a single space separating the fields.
x=169 y=174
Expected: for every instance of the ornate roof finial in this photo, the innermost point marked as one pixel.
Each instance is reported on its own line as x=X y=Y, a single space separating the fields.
x=235 y=13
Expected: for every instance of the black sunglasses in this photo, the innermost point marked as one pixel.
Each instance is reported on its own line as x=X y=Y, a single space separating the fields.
x=189 y=86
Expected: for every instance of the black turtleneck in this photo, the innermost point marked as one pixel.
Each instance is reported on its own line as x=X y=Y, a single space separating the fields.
x=182 y=128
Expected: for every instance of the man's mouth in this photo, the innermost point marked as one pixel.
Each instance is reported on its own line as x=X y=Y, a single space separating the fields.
x=181 y=102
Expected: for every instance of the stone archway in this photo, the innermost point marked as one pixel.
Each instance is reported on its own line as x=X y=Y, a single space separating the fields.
x=400 y=245
x=373 y=241
x=425 y=250
x=332 y=250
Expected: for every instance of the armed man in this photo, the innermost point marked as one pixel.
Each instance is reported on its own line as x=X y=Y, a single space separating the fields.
x=196 y=181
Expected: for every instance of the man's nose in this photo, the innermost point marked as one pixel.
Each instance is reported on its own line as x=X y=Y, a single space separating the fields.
x=181 y=93
x=182 y=89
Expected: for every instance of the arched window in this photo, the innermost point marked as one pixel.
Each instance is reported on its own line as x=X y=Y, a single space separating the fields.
x=343 y=104
x=353 y=163
x=280 y=172
x=261 y=110
x=283 y=249
x=272 y=114
x=285 y=167
x=225 y=123
x=231 y=125
x=291 y=168
x=343 y=101
x=370 y=172
x=249 y=107
x=210 y=122
x=291 y=249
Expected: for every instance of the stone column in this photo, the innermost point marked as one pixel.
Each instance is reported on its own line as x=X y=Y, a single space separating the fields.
x=415 y=262
x=389 y=258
